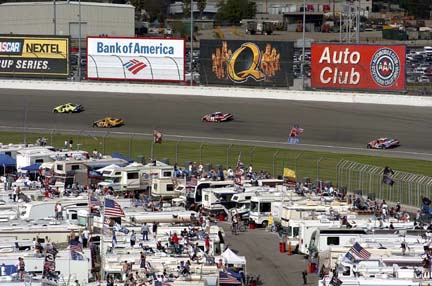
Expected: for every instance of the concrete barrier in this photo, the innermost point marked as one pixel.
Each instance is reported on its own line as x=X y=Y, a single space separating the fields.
x=279 y=94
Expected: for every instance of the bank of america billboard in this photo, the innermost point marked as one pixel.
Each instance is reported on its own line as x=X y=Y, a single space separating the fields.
x=239 y=62
x=354 y=66
x=34 y=56
x=140 y=59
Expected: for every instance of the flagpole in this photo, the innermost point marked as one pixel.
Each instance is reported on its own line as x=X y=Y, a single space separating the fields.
x=102 y=255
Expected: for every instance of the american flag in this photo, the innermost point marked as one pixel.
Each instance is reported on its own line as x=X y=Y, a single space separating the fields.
x=157 y=137
x=94 y=202
x=296 y=131
x=226 y=279
x=76 y=250
x=112 y=209
x=359 y=251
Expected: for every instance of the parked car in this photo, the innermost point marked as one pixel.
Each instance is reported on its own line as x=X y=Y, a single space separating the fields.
x=383 y=143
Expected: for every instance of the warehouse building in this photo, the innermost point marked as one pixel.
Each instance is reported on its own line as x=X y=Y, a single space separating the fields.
x=63 y=18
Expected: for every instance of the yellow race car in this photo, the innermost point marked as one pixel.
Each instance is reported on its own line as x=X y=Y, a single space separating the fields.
x=108 y=122
x=68 y=108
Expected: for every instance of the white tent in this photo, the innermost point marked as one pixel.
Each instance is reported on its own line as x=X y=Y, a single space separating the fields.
x=232 y=258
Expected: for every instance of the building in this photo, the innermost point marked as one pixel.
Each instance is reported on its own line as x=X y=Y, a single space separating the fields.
x=62 y=18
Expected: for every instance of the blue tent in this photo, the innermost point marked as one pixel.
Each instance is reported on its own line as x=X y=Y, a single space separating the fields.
x=121 y=156
x=32 y=168
x=7 y=161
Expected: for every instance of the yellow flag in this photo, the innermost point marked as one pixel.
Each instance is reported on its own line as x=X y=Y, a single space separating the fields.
x=289 y=173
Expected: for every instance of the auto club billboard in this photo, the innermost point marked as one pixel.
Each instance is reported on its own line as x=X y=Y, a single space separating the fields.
x=239 y=62
x=136 y=59
x=34 y=56
x=362 y=67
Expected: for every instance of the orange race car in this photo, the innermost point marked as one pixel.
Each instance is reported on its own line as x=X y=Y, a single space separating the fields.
x=108 y=122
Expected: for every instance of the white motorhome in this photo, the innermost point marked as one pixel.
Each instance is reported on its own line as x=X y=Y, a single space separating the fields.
x=262 y=205
x=218 y=199
x=140 y=177
x=196 y=196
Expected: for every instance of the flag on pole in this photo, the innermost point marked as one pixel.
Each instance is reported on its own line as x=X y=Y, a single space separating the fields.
x=348 y=256
x=112 y=209
x=359 y=251
x=157 y=137
x=289 y=173
x=76 y=250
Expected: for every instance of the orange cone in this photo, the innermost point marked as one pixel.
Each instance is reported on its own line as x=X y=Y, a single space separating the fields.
x=289 y=248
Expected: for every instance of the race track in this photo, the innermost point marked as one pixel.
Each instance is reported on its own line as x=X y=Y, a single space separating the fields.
x=338 y=127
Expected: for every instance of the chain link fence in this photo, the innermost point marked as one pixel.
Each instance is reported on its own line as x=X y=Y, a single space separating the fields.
x=407 y=188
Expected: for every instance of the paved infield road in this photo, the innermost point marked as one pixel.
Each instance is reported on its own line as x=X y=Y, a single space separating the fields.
x=263 y=258
x=346 y=127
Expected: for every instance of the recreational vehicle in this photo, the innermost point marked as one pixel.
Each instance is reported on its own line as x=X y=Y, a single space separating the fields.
x=264 y=205
x=218 y=199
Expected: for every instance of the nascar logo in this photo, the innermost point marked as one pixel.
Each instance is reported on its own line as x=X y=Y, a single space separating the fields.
x=385 y=67
x=135 y=66
x=10 y=47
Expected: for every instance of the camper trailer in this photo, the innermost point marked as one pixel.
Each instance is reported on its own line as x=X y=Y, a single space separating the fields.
x=139 y=177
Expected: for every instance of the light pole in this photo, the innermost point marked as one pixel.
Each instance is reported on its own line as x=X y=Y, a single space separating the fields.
x=79 y=40
x=303 y=48
x=191 y=42
x=54 y=17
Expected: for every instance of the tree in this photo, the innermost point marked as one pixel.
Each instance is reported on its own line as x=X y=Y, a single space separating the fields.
x=232 y=11
x=201 y=6
x=155 y=9
x=186 y=8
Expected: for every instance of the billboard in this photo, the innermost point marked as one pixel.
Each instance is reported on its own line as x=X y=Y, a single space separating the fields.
x=140 y=59
x=239 y=62
x=367 y=67
x=34 y=56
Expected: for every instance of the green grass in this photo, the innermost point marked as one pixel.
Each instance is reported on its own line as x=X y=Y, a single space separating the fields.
x=268 y=159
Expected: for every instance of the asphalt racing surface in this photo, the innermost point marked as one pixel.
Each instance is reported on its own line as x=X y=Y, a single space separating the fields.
x=338 y=127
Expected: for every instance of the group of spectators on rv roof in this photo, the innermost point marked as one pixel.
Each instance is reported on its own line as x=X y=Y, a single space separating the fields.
x=219 y=173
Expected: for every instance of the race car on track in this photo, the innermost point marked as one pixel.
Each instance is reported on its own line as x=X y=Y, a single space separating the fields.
x=108 y=122
x=217 y=117
x=68 y=108
x=383 y=143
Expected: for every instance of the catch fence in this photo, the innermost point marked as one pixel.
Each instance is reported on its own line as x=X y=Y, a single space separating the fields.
x=406 y=188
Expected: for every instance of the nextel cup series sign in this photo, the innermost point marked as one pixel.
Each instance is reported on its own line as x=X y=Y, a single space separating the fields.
x=145 y=59
x=29 y=56
x=369 y=67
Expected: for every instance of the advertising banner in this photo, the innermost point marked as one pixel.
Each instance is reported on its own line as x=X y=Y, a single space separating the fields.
x=34 y=56
x=141 y=59
x=352 y=66
x=239 y=62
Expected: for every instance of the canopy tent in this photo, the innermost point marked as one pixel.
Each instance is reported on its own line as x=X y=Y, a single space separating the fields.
x=232 y=258
x=7 y=161
x=32 y=168
x=121 y=156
